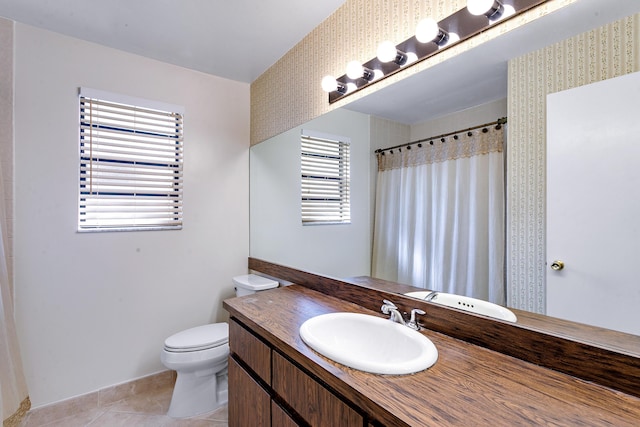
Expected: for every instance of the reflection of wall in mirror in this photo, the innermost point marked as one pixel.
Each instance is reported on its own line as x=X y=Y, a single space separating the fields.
x=276 y=230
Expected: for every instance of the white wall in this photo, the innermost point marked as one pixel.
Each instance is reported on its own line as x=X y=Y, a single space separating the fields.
x=93 y=309
x=277 y=233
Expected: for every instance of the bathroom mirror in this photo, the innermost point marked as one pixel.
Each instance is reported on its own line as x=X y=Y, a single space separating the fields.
x=277 y=235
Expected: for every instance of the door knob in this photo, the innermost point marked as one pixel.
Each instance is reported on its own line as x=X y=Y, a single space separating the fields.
x=557 y=265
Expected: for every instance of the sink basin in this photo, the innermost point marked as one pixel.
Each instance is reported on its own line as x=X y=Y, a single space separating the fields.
x=473 y=305
x=369 y=343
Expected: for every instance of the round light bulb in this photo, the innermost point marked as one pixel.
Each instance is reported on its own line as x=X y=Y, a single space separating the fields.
x=355 y=70
x=329 y=84
x=479 y=7
x=508 y=11
x=386 y=51
x=427 y=30
x=411 y=58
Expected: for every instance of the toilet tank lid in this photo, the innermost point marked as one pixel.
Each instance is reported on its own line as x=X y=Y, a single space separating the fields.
x=200 y=337
x=254 y=282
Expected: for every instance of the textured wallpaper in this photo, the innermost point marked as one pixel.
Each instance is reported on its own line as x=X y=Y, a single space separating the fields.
x=288 y=94
x=610 y=51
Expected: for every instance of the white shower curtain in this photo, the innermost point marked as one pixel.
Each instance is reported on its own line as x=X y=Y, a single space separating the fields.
x=14 y=401
x=439 y=219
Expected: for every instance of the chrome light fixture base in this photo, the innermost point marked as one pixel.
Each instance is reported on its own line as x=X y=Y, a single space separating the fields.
x=453 y=29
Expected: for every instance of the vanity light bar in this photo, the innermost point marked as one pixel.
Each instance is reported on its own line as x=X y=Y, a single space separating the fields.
x=453 y=29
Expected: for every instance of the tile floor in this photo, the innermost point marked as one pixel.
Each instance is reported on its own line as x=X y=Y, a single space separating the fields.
x=145 y=408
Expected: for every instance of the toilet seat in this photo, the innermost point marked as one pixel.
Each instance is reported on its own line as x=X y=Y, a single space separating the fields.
x=199 y=338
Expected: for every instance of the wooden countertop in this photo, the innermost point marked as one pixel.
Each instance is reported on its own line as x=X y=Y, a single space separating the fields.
x=468 y=385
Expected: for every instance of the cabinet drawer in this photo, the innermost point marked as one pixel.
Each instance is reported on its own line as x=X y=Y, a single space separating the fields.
x=252 y=351
x=315 y=404
x=249 y=403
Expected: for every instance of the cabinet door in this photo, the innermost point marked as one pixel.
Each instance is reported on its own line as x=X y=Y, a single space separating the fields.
x=279 y=418
x=249 y=403
x=315 y=404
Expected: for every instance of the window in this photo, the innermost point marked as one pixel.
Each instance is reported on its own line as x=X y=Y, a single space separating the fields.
x=325 y=179
x=130 y=163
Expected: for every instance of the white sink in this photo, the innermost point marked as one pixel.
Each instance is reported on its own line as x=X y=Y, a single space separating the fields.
x=369 y=343
x=473 y=305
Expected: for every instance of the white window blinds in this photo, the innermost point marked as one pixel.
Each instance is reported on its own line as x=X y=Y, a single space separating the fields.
x=131 y=165
x=325 y=179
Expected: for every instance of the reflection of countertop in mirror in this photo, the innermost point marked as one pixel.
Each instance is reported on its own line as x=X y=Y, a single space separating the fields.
x=467 y=385
x=381 y=284
x=605 y=338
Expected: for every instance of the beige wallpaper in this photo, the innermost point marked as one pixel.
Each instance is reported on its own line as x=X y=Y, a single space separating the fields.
x=289 y=94
x=610 y=51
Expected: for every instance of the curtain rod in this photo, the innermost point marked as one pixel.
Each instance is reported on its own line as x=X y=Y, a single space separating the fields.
x=498 y=124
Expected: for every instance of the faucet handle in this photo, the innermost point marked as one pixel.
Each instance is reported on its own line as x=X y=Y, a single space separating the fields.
x=412 y=323
x=388 y=306
x=389 y=303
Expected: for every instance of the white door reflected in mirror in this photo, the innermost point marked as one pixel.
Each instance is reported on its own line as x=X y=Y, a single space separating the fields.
x=593 y=231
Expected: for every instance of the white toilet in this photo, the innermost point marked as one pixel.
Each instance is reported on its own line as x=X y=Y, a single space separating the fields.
x=200 y=357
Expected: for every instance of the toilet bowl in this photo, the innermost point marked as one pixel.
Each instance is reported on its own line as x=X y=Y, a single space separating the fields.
x=200 y=357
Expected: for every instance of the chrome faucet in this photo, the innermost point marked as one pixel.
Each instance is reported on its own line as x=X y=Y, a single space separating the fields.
x=390 y=308
x=432 y=295
x=395 y=316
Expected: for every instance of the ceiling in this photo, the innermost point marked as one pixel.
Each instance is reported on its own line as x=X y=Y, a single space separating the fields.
x=234 y=39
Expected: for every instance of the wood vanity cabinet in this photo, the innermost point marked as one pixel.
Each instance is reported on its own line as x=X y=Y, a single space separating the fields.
x=267 y=389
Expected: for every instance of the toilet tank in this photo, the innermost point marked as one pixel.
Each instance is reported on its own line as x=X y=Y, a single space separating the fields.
x=251 y=283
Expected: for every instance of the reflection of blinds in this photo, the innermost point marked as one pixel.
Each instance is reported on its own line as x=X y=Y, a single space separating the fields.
x=130 y=167
x=325 y=181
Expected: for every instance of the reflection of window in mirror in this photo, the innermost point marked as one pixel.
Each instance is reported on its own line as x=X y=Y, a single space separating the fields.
x=324 y=166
